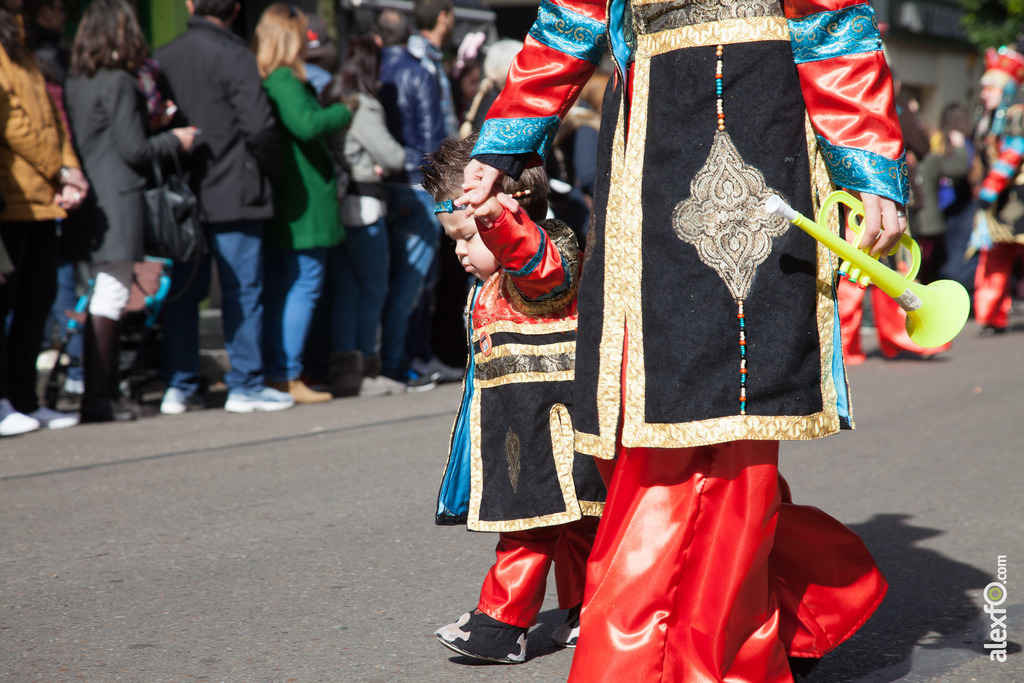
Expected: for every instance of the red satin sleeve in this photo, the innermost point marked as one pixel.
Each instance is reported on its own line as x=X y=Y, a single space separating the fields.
x=541 y=82
x=849 y=98
x=522 y=246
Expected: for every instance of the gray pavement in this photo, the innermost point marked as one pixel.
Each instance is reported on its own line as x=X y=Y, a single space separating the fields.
x=300 y=546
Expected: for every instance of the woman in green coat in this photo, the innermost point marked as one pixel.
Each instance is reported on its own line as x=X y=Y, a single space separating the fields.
x=305 y=199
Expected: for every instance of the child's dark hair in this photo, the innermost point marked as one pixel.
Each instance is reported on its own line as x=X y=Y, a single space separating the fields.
x=442 y=177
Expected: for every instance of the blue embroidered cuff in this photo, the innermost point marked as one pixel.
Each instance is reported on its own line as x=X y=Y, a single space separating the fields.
x=569 y=32
x=516 y=136
x=824 y=35
x=858 y=169
x=532 y=264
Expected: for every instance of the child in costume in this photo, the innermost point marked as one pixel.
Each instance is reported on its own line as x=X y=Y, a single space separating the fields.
x=708 y=330
x=511 y=466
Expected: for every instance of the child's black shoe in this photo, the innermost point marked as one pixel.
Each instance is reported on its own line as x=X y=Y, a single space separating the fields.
x=479 y=636
x=567 y=634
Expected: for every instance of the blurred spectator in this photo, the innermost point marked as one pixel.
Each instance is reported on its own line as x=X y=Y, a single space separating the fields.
x=306 y=222
x=412 y=109
x=45 y=21
x=435 y=21
x=467 y=72
x=573 y=157
x=40 y=177
x=945 y=189
x=110 y=120
x=211 y=75
x=1000 y=228
x=497 y=61
x=347 y=321
x=321 y=54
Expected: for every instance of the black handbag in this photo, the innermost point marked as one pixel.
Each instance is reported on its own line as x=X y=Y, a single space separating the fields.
x=172 y=228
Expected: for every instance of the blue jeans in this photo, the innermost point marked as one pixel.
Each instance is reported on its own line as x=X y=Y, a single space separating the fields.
x=294 y=281
x=67 y=299
x=413 y=236
x=238 y=247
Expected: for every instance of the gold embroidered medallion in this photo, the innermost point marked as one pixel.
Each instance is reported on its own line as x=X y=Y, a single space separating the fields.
x=512 y=454
x=724 y=217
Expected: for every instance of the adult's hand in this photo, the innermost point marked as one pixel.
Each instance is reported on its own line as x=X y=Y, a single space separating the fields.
x=186 y=136
x=478 y=182
x=69 y=198
x=885 y=221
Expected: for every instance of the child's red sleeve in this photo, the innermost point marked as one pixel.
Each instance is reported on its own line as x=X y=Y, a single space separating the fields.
x=527 y=254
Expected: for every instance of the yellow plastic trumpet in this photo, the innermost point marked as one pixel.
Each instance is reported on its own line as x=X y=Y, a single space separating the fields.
x=935 y=313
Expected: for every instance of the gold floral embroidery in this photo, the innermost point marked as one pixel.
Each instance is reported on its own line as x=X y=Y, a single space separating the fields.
x=724 y=218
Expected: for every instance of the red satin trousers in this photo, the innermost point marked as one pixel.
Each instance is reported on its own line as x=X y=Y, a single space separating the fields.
x=992 y=298
x=513 y=590
x=700 y=572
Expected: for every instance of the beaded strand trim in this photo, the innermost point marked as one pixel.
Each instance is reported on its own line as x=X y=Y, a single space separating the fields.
x=719 y=106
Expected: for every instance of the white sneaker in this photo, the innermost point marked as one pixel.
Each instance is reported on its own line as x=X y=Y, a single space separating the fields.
x=74 y=387
x=52 y=419
x=12 y=422
x=380 y=386
x=447 y=372
x=176 y=402
x=173 y=402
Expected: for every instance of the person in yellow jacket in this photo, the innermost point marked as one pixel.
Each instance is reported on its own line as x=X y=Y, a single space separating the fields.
x=40 y=178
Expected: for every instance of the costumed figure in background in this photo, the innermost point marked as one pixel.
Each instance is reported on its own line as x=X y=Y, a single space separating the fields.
x=511 y=467
x=708 y=330
x=999 y=226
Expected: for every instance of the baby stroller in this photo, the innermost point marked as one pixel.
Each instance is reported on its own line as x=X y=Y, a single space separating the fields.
x=150 y=284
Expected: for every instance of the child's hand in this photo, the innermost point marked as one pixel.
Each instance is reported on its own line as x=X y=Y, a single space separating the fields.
x=492 y=208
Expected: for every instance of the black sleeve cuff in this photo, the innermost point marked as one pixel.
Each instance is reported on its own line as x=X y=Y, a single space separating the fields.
x=511 y=165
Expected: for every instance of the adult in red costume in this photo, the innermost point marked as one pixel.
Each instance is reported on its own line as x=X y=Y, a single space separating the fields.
x=708 y=330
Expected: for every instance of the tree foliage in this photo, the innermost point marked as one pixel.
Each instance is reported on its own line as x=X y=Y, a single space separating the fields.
x=991 y=23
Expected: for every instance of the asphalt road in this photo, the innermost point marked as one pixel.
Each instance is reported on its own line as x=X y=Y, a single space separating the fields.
x=300 y=546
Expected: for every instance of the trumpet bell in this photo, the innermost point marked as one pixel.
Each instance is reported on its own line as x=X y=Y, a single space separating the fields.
x=944 y=310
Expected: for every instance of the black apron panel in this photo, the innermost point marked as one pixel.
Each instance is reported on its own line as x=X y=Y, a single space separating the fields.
x=523 y=408
x=691 y=330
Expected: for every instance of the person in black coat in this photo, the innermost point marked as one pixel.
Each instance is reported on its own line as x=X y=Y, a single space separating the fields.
x=109 y=119
x=211 y=75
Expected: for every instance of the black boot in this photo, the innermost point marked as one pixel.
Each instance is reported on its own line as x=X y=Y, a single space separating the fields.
x=346 y=373
x=102 y=401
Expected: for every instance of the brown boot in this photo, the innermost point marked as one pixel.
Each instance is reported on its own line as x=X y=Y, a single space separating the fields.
x=300 y=392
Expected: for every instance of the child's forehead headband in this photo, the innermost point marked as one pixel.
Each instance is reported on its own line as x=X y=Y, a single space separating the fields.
x=447 y=206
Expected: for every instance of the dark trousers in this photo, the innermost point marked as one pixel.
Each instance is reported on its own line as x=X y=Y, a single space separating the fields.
x=25 y=300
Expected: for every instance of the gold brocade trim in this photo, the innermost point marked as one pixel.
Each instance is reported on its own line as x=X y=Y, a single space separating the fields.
x=621 y=266
x=596 y=446
x=592 y=508
x=635 y=392
x=526 y=350
x=821 y=187
x=523 y=377
x=731 y=428
x=725 y=32
x=563 y=325
x=561 y=446
x=651 y=16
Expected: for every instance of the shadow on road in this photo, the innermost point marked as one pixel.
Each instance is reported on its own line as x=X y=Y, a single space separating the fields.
x=929 y=606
